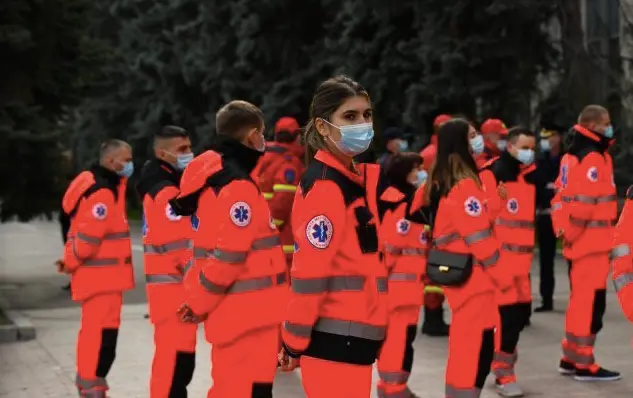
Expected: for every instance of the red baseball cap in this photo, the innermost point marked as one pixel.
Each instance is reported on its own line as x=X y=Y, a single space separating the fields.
x=441 y=119
x=492 y=126
x=288 y=124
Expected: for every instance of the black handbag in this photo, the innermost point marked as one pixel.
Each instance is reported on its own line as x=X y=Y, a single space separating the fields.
x=448 y=269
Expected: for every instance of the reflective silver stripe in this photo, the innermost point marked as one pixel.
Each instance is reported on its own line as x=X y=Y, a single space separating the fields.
x=297 y=330
x=210 y=286
x=167 y=247
x=491 y=260
x=592 y=223
x=477 y=236
x=591 y=200
x=515 y=223
x=454 y=392
x=557 y=206
x=266 y=243
x=621 y=250
x=117 y=235
x=504 y=357
x=328 y=284
x=349 y=328
x=517 y=248
x=623 y=280
x=87 y=384
x=187 y=265
x=405 y=251
x=584 y=341
x=394 y=378
x=403 y=277
x=236 y=257
x=584 y=359
x=106 y=261
x=93 y=394
x=567 y=199
x=503 y=372
x=254 y=284
x=91 y=240
x=163 y=279
x=446 y=239
x=382 y=285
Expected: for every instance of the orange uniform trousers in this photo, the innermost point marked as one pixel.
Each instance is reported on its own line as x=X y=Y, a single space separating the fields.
x=246 y=367
x=587 y=304
x=96 y=342
x=329 y=379
x=396 y=355
x=471 y=345
x=174 y=358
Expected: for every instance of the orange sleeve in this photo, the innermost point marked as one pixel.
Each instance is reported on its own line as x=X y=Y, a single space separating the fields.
x=319 y=223
x=235 y=221
x=622 y=258
x=493 y=201
x=582 y=180
x=90 y=225
x=285 y=183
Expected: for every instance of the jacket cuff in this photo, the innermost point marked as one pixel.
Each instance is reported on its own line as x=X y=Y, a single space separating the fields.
x=291 y=353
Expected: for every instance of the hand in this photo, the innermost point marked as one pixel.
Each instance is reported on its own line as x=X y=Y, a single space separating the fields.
x=286 y=362
x=502 y=191
x=61 y=267
x=187 y=315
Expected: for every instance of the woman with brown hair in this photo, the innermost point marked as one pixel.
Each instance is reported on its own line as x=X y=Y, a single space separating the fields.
x=337 y=316
x=462 y=259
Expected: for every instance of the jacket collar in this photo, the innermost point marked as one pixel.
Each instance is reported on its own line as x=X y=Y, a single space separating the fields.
x=246 y=158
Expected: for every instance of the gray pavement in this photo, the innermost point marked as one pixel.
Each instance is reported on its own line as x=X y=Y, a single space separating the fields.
x=44 y=368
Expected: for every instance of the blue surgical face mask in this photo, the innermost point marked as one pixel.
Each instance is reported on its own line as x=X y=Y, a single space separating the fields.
x=525 y=156
x=183 y=159
x=127 y=170
x=545 y=145
x=355 y=138
x=404 y=145
x=421 y=177
x=477 y=144
x=502 y=144
x=609 y=132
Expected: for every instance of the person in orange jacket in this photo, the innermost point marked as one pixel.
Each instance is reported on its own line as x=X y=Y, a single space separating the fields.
x=167 y=248
x=584 y=212
x=513 y=216
x=464 y=259
x=239 y=278
x=98 y=256
x=430 y=151
x=277 y=173
x=622 y=259
x=404 y=233
x=337 y=316
x=495 y=135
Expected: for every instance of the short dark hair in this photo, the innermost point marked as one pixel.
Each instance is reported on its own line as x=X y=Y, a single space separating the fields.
x=171 y=132
x=110 y=146
x=591 y=114
x=236 y=117
x=516 y=131
x=399 y=167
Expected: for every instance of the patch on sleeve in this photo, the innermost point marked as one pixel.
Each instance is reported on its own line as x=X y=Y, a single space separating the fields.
x=319 y=231
x=564 y=170
x=100 y=211
x=513 y=206
x=290 y=176
x=592 y=174
x=240 y=213
x=403 y=226
x=195 y=222
x=171 y=214
x=472 y=206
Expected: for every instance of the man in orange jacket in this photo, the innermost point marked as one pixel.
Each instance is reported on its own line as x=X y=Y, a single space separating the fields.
x=167 y=247
x=513 y=217
x=277 y=173
x=239 y=277
x=98 y=257
x=584 y=212
x=495 y=135
x=622 y=257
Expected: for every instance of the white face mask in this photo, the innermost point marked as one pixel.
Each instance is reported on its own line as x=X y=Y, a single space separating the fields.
x=545 y=145
x=477 y=144
x=502 y=144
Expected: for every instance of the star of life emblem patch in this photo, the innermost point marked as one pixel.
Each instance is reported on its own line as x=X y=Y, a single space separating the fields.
x=240 y=214
x=403 y=226
x=100 y=211
x=512 y=206
x=171 y=214
x=319 y=231
x=592 y=174
x=472 y=206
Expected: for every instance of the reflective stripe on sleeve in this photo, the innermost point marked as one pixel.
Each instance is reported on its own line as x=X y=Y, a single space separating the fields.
x=243 y=285
x=514 y=223
x=349 y=328
x=477 y=236
x=454 y=392
x=517 y=248
x=621 y=250
x=236 y=257
x=403 y=277
x=284 y=188
x=97 y=262
x=590 y=200
x=592 y=223
x=446 y=239
x=491 y=260
x=382 y=285
x=405 y=251
x=168 y=247
x=91 y=240
x=163 y=279
x=117 y=235
x=187 y=266
x=328 y=284
x=297 y=330
x=622 y=281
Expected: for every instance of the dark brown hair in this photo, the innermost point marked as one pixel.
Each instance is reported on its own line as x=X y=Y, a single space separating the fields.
x=328 y=97
x=399 y=167
x=236 y=118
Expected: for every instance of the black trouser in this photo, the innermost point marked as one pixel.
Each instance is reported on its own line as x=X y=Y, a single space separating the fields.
x=64 y=221
x=547 y=252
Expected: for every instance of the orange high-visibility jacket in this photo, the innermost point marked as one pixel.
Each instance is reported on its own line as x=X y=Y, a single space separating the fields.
x=405 y=232
x=339 y=282
x=622 y=256
x=585 y=206
x=98 y=252
x=239 y=273
x=166 y=239
x=462 y=226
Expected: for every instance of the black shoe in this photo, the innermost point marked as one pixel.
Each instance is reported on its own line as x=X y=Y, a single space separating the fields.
x=566 y=368
x=434 y=325
x=67 y=287
x=545 y=307
x=597 y=374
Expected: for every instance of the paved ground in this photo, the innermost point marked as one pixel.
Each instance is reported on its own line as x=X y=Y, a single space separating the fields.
x=44 y=368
